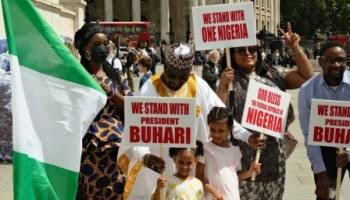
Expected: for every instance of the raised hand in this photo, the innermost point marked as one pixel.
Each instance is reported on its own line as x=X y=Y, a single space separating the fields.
x=292 y=39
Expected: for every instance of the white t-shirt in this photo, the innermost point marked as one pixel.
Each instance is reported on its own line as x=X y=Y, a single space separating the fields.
x=221 y=166
x=116 y=63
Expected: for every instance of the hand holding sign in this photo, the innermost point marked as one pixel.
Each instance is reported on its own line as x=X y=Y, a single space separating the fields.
x=227 y=77
x=154 y=162
x=342 y=159
x=256 y=142
x=292 y=39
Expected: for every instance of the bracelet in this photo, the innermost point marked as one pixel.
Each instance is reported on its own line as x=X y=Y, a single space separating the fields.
x=294 y=50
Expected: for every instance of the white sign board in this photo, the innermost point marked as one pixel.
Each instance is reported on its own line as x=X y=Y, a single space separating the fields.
x=224 y=25
x=266 y=109
x=162 y=122
x=329 y=123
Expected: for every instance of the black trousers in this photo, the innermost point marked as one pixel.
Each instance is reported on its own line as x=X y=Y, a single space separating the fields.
x=329 y=155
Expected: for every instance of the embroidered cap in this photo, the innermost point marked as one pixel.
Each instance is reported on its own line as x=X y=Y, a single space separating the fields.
x=179 y=56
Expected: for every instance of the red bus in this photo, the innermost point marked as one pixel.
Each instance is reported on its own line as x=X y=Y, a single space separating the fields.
x=134 y=34
x=341 y=38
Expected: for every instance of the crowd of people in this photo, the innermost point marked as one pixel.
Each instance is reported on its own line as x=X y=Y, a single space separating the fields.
x=221 y=165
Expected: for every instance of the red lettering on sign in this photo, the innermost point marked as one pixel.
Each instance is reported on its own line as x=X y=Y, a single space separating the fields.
x=262 y=94
x=134 y=134
x=274 y=98
x=232 y=32
x=136 y=108
x=209 y=34
x=179 y=108
x=207 y=18
x=322 y=110
x=331 y=135
x=264 y=120
x=156 y=135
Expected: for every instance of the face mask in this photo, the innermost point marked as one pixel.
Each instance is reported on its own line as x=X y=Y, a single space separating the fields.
x=99 y=53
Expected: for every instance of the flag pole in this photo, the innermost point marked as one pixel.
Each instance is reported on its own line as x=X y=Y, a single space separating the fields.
x=257 y=156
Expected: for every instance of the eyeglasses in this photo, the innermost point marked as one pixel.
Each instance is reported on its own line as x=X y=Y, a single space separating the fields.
x=243 y=50
x=339 y=60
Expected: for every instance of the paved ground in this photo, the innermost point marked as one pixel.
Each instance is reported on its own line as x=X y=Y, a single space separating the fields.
x=299 y=183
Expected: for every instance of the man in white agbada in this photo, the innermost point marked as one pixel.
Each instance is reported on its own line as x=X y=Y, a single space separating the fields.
x=176 y=81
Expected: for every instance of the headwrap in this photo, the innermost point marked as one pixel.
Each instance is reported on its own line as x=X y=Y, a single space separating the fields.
x=179 y=56
x=83 y=35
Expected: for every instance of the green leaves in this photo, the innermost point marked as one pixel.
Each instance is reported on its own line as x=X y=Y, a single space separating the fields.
x=308 y=16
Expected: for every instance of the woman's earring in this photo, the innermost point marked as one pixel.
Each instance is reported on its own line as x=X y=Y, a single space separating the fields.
x=87 y=56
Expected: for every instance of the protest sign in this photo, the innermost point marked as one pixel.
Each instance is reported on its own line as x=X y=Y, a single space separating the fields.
x=329 y=123
x=265 y=109
x=224 y=25
x=163 y=122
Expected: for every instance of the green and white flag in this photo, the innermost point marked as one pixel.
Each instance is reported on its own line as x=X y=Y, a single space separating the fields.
x=53 y=102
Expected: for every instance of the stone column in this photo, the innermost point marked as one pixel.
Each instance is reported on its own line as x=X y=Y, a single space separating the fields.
x=136 y=10
x=192 y=3
x=77 y=6
x=277 y=14
x=108 y=10
x=164 y=20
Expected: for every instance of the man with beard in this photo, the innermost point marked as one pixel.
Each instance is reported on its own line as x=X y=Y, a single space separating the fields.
x=332 y=84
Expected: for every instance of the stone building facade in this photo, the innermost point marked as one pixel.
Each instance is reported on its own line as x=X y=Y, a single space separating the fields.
x=172 y=18
x=65 y=16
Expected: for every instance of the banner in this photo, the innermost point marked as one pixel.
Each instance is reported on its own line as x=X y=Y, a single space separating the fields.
x=224 y=25
x=266 y=109
x=154 y=121
x=329 y=123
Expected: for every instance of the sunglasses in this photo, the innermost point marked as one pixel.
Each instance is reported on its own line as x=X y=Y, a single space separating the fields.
x=244 y=50
x=339 y=60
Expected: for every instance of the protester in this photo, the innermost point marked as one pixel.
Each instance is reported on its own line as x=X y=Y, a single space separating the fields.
x=212 y=69
x=181 y=185
x=153 y=55
x=144 y=65
x=178 y=81
x=216 y=170
x=333 y=83
x=247 y=63
x=162 y=51
x=100 y=177
x=113 y=59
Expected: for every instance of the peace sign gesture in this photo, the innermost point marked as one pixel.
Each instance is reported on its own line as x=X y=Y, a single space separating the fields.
x=292 y=39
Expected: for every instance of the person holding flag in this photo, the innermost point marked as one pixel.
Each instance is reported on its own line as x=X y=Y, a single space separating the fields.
x=100 y=176
x=246 y=64
x=54 y=100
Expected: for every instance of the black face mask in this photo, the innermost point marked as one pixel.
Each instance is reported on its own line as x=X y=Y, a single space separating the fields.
x=99 y=53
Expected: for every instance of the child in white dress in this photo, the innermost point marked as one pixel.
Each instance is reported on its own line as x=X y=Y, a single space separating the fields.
x=221 y=163
x=181 y=185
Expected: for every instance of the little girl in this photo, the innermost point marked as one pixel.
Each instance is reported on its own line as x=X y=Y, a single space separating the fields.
x=221 y=162
x=181 y=185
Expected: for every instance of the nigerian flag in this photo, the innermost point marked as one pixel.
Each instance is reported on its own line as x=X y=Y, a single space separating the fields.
x=53 y=102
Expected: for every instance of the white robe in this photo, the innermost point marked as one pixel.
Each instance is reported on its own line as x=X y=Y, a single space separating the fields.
x=206 y=98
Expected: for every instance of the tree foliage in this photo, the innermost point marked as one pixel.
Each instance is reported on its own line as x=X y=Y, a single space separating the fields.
x=316 y=16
